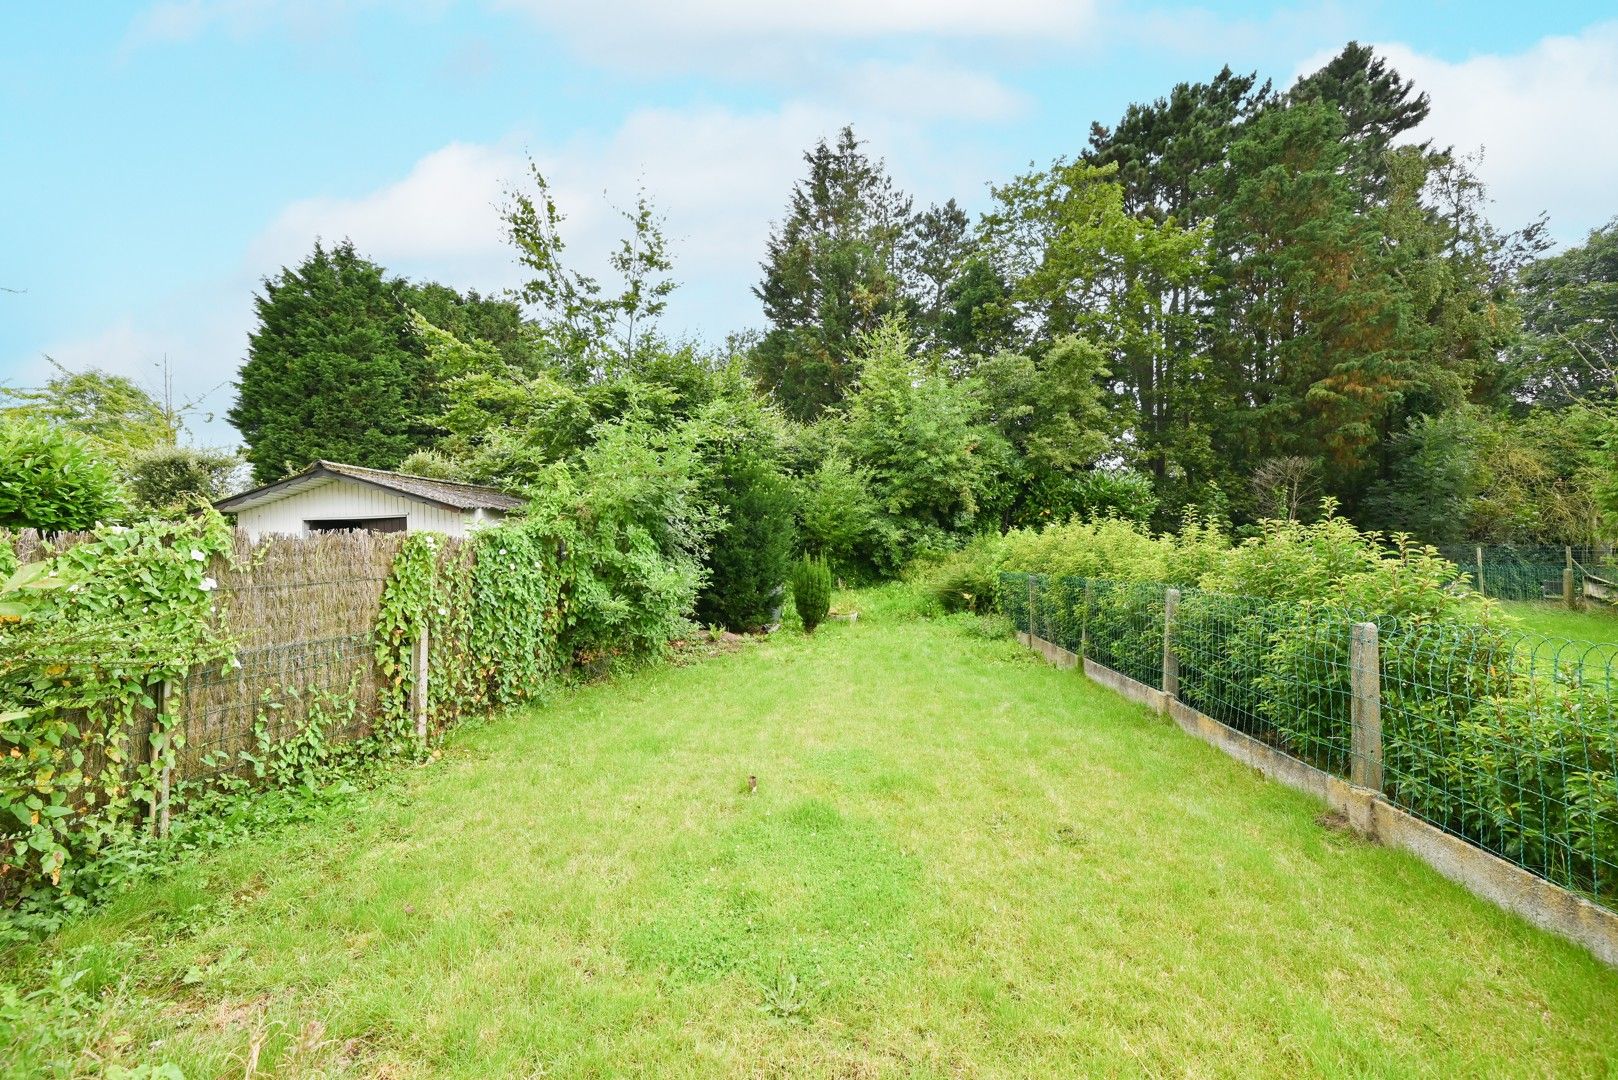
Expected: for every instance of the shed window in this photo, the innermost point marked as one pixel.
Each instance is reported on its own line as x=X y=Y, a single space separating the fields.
x=376 y=525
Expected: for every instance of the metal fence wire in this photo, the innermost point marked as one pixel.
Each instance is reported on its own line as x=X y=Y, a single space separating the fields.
x=1529 y=571
x=1505 y=738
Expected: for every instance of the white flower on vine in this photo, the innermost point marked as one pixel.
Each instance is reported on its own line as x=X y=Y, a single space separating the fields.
x=443 y=611
x=74 y=588
x=502 y=551
x=118 y=529
x=197 y=556
x=209 y=584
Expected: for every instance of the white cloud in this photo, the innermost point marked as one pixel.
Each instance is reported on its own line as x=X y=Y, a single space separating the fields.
x=440 y=215
x=928 y=91
x=1546 y=119
x=203 y=337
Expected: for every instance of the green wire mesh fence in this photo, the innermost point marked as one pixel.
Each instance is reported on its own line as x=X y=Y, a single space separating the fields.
x=1530 y=572
x=1505 y=738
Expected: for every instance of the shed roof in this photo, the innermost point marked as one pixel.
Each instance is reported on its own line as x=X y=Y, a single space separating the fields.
x=445 y=493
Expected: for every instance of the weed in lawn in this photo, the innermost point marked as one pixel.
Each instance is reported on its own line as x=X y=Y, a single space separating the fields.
x=786 y=996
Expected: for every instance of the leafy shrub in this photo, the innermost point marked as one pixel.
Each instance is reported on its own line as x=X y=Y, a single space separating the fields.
x=1527 y=772
x=635 y=530
x=50 y=480
x=751 y=555
x=182 y=477
x=1110 y=548
x=964 y=580
x=838 y=517
x=811 y=591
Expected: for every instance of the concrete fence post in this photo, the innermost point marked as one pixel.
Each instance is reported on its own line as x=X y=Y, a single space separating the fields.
x=1033 y=591
x=418 y=695
x=1171 y=661
x=1365 y=673
x=1084 y=622
x=1481 y=590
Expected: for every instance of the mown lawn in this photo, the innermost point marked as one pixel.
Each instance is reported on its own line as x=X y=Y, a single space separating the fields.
x=1550 y=618
x=957 y=862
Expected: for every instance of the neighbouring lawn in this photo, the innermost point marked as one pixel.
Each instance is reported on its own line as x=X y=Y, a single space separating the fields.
x=1585 y=639
x=1554 y=620
x=957 y=862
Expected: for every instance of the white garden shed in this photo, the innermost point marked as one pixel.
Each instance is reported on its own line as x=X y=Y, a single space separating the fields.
x=329 y=496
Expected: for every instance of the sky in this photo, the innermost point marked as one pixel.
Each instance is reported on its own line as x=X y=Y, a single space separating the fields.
x=159 y=159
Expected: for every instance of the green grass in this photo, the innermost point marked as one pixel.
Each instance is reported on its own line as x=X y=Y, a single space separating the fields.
x=957 y=862
x=1586 y=639
x=1553 y=620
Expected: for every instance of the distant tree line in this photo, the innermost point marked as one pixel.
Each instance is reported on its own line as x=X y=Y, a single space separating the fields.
x=1233 y=303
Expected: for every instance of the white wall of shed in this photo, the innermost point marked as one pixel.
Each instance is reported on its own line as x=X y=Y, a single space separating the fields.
x=342 y=498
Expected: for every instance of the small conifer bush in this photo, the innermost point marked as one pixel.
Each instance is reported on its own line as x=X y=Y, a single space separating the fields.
x=811 y=591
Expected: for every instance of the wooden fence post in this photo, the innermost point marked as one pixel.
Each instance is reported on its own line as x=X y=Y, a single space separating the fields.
x=1365 y=673
x=1171 y=661
x=418 y=695
x=1567 y=579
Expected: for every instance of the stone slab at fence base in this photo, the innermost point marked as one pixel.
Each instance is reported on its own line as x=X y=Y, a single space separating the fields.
x=1132 y=689
x=1057 y=655
x=1544 y=904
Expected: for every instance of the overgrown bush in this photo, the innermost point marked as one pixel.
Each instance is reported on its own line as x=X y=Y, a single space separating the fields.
x=811 y=591
x=1524 y=766
x=838 y=518
x=964 y=580
x=168 y=478
x=635 y=530
x=751 y=553
x=51 y=480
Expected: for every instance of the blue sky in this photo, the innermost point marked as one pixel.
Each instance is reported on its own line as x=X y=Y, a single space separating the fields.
x=160 y=158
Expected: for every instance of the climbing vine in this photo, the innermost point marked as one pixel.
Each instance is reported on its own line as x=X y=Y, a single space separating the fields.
x=87 y=635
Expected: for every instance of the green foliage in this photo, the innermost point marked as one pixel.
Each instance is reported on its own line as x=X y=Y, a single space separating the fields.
x=964 y=580
x=51 y=480
x=838 y=516
x=136 y=610
x=751 y=553
x=922 y=436
x=829 y=276
x=334 y=369
x=636 y=531
x=589 y=334
x=811 y=591
x=115 y=415
x=169 y=478
x=1570 y=304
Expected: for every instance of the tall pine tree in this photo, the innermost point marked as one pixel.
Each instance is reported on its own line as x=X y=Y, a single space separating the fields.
x=831 y=274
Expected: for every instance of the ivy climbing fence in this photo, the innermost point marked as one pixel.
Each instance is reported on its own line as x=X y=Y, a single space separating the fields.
x=301 y=612
x=1506 y=739
x=199 y=654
